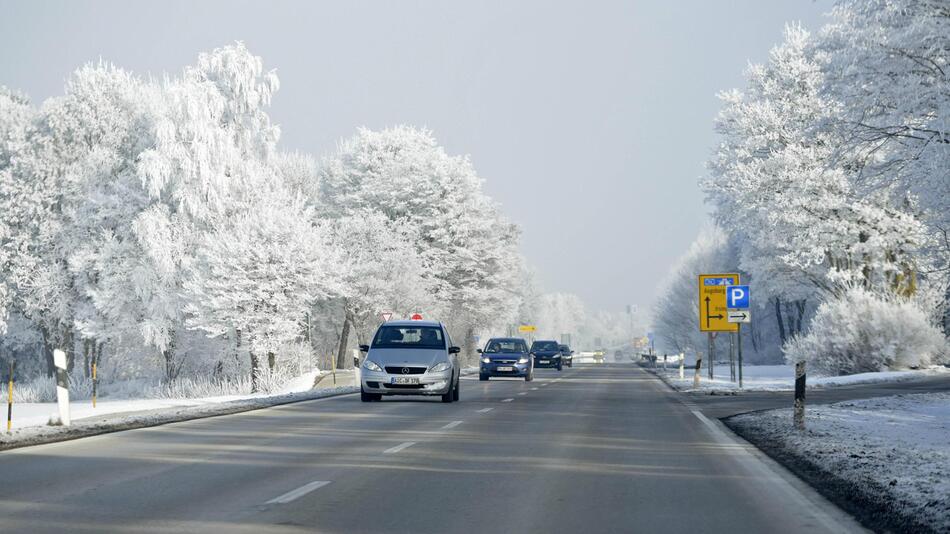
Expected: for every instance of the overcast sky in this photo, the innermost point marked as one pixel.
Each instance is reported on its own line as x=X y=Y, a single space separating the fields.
x=589 y=121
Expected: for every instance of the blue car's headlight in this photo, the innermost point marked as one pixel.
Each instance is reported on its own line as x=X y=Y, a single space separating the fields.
x=439 y=367
x=524 y=359
x=486 y=359
x=372 y=366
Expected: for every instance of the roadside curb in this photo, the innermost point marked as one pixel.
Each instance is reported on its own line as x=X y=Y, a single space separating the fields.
x=118 y=422
x=869 y=503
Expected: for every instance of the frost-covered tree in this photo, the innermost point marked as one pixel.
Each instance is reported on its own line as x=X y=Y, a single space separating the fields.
x=468 y=250
x=780 y=185
x=384 y=273
x=258 y=272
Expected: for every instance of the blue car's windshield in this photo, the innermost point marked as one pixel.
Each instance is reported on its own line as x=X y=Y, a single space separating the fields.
x=409 y=337
x=505 y=345
x=544 y=346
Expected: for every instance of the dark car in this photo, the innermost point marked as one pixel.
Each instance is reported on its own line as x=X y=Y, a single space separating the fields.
x=567 y=355
x=506 y=356
x=546 y=354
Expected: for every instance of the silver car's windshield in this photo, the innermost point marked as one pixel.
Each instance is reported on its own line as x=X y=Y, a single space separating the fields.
x=409 y=337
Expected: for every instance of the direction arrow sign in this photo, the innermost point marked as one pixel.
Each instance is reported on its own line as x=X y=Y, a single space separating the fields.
x=743 y=316
x=712 y=302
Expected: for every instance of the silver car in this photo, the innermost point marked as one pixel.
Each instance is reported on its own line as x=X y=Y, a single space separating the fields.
x=410 y=358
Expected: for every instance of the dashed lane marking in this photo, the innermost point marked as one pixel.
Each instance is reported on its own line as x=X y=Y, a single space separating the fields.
x=397 y=448
x=453 y=424
x=507 y=400
x=299 y=492
x=484 y=410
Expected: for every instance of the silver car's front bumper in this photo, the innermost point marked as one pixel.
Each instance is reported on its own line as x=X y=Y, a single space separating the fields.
x=429 y=383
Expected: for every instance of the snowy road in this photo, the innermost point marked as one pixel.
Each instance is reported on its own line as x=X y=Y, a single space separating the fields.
x=592 y=449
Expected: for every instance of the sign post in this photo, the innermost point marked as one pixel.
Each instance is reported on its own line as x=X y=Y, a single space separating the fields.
x=713 y=310
x=737 y=300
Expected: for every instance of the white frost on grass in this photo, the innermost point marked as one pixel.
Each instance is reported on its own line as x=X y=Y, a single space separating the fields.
x=901 y=443
x=782 y=378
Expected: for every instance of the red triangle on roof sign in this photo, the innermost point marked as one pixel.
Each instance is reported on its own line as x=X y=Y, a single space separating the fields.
x=416 y=317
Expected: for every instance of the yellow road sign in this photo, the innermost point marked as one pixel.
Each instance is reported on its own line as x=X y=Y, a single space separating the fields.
x=526 y=328
x=713 y=314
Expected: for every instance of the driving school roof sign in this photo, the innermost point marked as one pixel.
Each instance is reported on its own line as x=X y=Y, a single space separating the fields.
x=713 y=312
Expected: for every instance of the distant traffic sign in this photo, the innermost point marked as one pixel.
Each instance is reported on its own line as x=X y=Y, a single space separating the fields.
x=737 y=297
x=526 y=328
x=739 y=316
x=712 y=302
x=385 y=316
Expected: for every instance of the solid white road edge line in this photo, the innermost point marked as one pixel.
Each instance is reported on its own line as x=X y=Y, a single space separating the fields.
x=453 y=424
x=299 y=492
x=484 y=410
x=399 y=447
x=763 y=468
x=507 y=400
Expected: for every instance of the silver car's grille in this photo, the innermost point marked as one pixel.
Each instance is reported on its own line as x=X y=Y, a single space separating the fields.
x=404 y=370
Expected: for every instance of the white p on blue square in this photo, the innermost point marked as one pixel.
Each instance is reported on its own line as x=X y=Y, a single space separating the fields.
x=737 y=297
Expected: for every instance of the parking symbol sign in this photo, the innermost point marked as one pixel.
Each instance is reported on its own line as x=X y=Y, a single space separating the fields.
x=737 y=297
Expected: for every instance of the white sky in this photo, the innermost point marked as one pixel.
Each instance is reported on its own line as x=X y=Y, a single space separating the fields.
x=589 y=121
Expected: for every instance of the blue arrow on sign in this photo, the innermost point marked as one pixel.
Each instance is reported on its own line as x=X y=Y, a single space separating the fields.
x=737 y=297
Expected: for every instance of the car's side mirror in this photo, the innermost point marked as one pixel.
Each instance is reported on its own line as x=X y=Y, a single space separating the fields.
x=356 y=361
x=364 y=348
x=454 y=350
x=572 y=353
x=478 y=351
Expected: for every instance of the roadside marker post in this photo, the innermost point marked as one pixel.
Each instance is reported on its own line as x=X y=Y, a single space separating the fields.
x=799 y=417
x=10 y=399
x=699 y=364
x=62 y=386
x=682 y=365
x=95 y=382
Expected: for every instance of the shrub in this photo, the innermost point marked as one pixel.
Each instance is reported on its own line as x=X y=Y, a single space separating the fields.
x=864 y=332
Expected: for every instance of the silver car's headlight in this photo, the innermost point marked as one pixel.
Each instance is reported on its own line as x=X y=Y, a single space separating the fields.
x=372 y=366
x=486 y=360
x=439 y=367
x=524 y=359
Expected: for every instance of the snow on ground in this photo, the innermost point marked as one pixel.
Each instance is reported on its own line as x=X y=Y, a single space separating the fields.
x=32 y=414
x=897 y=445
x=780 y=377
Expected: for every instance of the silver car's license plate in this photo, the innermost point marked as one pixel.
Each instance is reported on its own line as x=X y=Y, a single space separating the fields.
x=503 y=368
x=545 y=361
x=404 y=380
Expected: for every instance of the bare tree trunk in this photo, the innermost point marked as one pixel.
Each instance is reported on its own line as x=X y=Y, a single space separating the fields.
x=271 y=360
x=171 y=370
x=344 y=338
x=469 y=346
x=69 y=347
x=48 y=352
x=778 y=318
x=255 y=373
x=85 y=357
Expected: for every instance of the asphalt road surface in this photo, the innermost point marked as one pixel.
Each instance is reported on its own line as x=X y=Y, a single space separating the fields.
x=592 y=449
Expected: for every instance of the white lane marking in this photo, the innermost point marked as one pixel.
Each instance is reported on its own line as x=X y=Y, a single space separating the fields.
x=774 y=478
x=397 y=448
x=507 y=400
x=523 y=393
x=299 y=492
x=453 y=424
x=544 y=385
x=534 y=389
x=484 y=410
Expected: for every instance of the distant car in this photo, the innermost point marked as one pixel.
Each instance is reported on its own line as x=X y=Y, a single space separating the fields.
x=546 y=354
x=506 y=356
x=567 y=355
x=410 y=358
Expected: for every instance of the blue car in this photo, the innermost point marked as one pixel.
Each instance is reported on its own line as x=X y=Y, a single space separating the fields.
x=506 y=356
x=547 y=354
